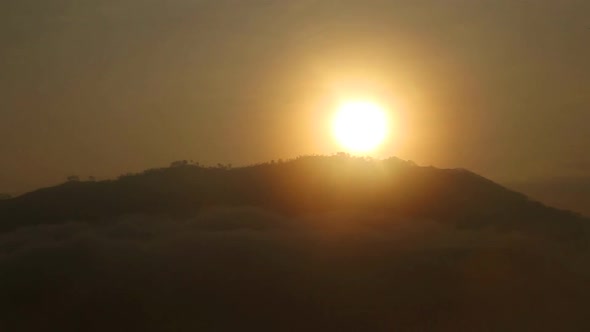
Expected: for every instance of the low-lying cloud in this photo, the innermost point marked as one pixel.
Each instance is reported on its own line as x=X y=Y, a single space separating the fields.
x=250 y=269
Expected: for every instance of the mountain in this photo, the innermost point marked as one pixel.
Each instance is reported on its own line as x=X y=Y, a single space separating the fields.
x=313 y=244
x=306 y=185
x=571 y=193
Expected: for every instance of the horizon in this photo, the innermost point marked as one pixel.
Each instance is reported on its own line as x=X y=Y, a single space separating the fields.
x=539 y=189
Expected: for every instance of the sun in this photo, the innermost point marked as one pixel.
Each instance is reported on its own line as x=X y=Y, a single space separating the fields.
x=360 y=126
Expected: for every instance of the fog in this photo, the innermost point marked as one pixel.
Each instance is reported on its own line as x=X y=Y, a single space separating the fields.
x=247 y=268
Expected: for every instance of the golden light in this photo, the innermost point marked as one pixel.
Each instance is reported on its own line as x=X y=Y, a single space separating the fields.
x=360 y=126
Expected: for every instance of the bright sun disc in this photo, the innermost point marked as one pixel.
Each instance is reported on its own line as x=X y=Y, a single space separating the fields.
x=360 y=126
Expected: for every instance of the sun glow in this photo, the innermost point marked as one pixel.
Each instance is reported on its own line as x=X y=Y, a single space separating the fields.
x=360 y=126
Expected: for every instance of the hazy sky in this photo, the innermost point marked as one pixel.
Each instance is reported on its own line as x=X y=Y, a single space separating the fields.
x=102 y=87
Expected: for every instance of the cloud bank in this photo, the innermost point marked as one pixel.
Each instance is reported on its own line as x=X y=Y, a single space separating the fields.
x=247 y=268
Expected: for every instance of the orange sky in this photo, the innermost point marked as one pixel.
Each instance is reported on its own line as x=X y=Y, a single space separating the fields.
x=102 y=88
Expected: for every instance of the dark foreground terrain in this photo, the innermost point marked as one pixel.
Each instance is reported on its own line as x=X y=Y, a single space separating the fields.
x=314 y=244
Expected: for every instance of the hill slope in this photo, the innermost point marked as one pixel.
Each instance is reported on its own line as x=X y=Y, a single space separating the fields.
x=307 y=185
x=314 y=244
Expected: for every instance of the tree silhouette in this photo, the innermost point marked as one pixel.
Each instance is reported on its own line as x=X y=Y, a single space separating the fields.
x=179 y=163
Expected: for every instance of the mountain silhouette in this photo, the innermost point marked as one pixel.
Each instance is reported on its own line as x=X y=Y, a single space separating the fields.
x=318 y=243
x=305 y=185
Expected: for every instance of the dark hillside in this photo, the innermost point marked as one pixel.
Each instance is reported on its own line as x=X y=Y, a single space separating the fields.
x=313 y=244
x=306 y=185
